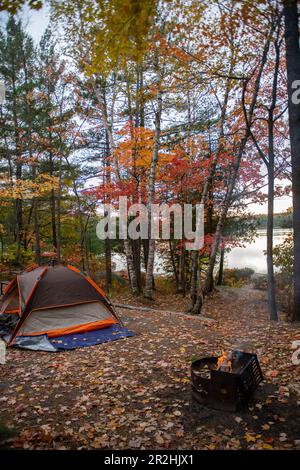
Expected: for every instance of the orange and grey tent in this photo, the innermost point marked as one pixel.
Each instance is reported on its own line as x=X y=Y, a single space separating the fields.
x=56 y=301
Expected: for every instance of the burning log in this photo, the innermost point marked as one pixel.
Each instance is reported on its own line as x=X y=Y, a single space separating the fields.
x=224 y=362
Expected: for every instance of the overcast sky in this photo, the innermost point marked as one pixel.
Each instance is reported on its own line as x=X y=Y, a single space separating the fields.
x=36 y=23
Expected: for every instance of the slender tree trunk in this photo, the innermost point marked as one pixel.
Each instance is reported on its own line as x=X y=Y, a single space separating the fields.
x=136 y=250
x=199 y=295
x=19 y=229
x=59 y=212
x=107 y=249
x=130 y=267
x=207 y=189
x=135 y=244
x=221 y=267
x=194 y=279
x=151 y=254
x=107 y=242
x=53 y=219
x=271 y=279
x=80 y=213
x=37 y=245
x=37 y=237
x=293 y=75
x=145 y=244
x=53 y=208
x=173 y=262
x=181 y=272
x=208 y=285
x=18 y=203
x=273 y=315
x=100 y=93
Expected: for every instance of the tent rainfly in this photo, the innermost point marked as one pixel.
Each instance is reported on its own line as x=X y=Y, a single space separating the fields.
x=55 y=301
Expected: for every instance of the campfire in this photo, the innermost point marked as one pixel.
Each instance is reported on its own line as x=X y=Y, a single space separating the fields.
x=224 y=362
x=226 y=382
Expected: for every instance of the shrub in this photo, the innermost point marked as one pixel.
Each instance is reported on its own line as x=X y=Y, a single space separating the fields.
x=237 y=277
x=283 y=259
x=283 y=255
x=260 y=281
x=284 y=291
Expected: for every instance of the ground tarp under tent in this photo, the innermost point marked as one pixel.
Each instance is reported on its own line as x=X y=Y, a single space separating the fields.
x=57 y=307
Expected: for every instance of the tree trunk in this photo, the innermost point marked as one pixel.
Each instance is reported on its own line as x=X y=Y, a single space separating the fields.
x=107 y=242
x=19 y=204
x=145 y=252
x=108 y=262
x=53 y=208
x=181 y=272
x=59 y=213
x=173 y=261
x=19 y=229
x=150 y=263
x=208 y=284
x=207 y=189
x=130 y=267
x=273 y=315
x=37 y=245
x=136 y=249
x=194 y=278
x=293 y=74
x=221 y=267
x=271 y=279
x=196 y=309
x=100 y=93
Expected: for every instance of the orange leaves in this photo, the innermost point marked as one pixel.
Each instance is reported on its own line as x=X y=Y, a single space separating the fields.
x=136 y=148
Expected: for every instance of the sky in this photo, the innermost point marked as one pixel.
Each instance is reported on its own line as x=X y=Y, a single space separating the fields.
x=281 y=204
x=36 y=22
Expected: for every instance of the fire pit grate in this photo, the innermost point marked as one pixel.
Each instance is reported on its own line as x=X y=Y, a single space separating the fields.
x=223 y=389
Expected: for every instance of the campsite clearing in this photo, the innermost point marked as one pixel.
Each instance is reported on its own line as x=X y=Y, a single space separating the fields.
x=135 y=392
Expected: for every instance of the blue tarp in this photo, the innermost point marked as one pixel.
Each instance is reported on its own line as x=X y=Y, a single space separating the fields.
x=81 y=340
x=72 y=341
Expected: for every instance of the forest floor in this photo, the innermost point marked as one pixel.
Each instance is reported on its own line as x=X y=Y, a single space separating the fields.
x=135 y=393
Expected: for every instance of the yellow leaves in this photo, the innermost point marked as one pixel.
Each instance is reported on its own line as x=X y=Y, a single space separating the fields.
x=13 y=6
x=265 y=427
x=267 y=447
x=211 y=446
x=27 y=189
x=114 y=33
x=250 y=438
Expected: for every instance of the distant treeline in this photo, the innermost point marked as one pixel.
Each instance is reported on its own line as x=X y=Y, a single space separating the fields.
x=281 y=220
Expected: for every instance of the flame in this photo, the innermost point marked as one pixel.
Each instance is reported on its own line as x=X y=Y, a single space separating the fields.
x=224 y=361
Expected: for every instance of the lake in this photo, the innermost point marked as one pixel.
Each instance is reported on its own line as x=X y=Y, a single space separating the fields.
x=250 y=256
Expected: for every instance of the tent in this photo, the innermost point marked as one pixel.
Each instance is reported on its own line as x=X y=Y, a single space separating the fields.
x=47 y=305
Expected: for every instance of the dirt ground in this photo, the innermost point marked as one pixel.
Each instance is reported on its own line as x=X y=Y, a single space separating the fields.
x=135 y=393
